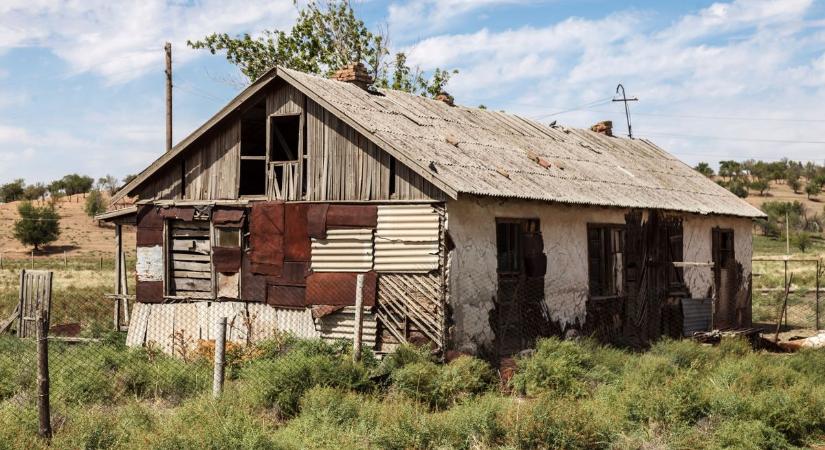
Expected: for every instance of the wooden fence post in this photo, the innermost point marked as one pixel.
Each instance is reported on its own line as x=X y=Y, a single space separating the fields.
x=359 y=318
x=818 y=283
x=43 y=409
x=220 y=347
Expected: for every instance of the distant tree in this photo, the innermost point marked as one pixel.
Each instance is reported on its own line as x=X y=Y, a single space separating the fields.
x=794 y=184
x=802 y=240
x=128 y=179
x=738 y=188
x=730 y=169
x=36 y=226
x=34 y=191
x=76 y=184
x=704 y=168
x=760 y=185
x=812 y=189
x=94 y=203
x=13 y=191
x=108 y=184
x=326 y=36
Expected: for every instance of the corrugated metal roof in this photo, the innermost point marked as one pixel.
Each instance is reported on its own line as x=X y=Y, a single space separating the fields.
x=484 y=152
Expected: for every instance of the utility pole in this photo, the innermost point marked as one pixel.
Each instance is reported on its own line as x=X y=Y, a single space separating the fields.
x=624 y=99
x=168 y=49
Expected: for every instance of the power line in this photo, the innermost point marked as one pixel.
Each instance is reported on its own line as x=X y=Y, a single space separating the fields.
x=603 y=101
x=691 y=116
x=724 y=138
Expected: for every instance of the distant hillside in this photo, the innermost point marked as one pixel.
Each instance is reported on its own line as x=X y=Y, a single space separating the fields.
x=780 y=192
x=80 y=235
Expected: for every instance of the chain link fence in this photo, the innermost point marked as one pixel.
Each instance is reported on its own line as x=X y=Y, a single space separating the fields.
x=787 y=294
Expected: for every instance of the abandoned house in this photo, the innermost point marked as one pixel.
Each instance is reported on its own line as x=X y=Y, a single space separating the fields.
x=475 y=231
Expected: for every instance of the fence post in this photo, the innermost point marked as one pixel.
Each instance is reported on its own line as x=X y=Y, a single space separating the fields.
x=32 y=259
x=818 y=277
x=220 y=347
x=65 y=260
x=43 y=409
x=359 y=317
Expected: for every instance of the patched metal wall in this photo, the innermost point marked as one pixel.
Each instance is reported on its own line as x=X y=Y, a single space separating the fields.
x=406 y=238
x=343 y=250
x=341 y=325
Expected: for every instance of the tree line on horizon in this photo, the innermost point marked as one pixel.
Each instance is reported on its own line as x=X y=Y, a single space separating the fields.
x=741 y=176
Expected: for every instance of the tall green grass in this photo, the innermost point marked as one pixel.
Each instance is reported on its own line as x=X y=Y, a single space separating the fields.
x=309 y=394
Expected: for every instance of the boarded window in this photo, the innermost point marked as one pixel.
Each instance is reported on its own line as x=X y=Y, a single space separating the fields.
x=189 y=265
x=605 y=250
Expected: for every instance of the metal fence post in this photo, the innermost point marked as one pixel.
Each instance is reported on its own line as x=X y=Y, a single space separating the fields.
x=818 y=278
x=220 y=347
x=359 y=317
x=43 y=407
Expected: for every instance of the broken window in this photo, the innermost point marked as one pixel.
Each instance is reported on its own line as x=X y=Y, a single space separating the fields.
x=227 y=237
x=508 y=242
x=253 y=151
x=285 y=157
x=605 y=249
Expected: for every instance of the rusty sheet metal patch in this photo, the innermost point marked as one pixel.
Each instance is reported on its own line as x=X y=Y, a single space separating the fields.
x=266 y=238
x=297 y=244
x=228 y=217
x=179 y=213
x=324 y=310
x=338 y=289
x=226 y=259
x=285 y=296
x=149 y=291
x=317 y=220
x=149 y=226
x=352 y=216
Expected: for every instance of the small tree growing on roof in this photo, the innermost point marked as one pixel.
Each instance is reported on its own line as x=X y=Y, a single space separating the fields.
x=36 y=226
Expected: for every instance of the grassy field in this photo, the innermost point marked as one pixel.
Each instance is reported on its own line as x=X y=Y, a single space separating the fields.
x=306 y=394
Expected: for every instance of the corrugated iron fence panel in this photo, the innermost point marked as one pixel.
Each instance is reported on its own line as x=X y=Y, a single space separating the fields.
x=343 y=250
x=697 y=315
x=341 y=325
x=406 y=238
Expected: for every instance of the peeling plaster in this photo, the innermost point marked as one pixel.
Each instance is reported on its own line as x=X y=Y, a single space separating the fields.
x=149 y=265
x=472 y=264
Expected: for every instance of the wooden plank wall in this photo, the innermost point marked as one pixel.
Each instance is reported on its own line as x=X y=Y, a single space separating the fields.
x=342 y=164
x=211 y=169
x=190 y=252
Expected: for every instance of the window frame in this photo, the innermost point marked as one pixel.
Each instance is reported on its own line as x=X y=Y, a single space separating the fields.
x=607 y=259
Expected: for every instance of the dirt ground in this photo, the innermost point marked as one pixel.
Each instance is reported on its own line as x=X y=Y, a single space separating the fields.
x=780 y=192
x=79 y=234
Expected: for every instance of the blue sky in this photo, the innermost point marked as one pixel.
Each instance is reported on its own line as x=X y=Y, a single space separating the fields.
x=82 y=85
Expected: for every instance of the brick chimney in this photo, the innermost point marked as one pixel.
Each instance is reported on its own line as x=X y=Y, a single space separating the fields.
x=604 y=127
x=353 y=73
x=446 y=98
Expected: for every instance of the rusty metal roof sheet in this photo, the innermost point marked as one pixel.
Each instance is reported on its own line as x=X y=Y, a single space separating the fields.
x=484 y=152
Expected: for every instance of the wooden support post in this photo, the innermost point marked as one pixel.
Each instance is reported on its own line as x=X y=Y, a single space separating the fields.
x=43 y=409
x=20 y=294
x=818 y=283
x=65 y=260
x=118 y=278
x=32 y=260
x=783 y=311
x=220 y=347
x=359 y=317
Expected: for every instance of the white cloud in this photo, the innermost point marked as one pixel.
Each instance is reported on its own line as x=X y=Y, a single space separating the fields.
x=123 y=40
x=744 y=58
x=426 y=16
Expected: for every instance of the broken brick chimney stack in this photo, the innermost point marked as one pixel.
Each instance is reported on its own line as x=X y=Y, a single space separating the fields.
x=604 y=127
x=355 y=73
x=446 y=98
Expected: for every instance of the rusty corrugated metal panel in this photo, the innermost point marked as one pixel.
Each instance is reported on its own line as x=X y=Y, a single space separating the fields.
x=266 y=238
x=339 y=289
x=470 y=150
x=344 y=250
x=406 y=238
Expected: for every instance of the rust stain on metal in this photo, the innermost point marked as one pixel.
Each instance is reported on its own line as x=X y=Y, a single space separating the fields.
x=332 y=288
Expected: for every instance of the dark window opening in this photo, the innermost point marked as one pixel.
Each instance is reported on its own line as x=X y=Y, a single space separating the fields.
x=253 y=151
x=605 y=249
x=392 y=177
x=510 y=234
x=285 y=133
x=725 y=248
x=253 y=177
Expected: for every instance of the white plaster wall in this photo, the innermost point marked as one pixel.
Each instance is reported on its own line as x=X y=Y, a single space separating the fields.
x=473 y=279
x=698 y=248
x=472 y=264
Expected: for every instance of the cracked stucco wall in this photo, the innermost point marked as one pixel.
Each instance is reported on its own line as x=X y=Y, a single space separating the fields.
x=472 y=264
x=698 y=248
x=473 y=278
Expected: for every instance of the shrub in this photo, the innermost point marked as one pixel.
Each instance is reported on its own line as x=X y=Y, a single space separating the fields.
x=419 y=381
x=464 y=377
x=37 y=225
x=548 y=422
x=560 y=367
x=748 y=435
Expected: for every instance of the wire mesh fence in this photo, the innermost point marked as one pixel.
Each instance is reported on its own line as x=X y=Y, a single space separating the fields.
x=164 y=354
x=787 y=294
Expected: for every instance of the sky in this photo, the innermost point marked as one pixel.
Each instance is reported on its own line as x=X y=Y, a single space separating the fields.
x=82 y=82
